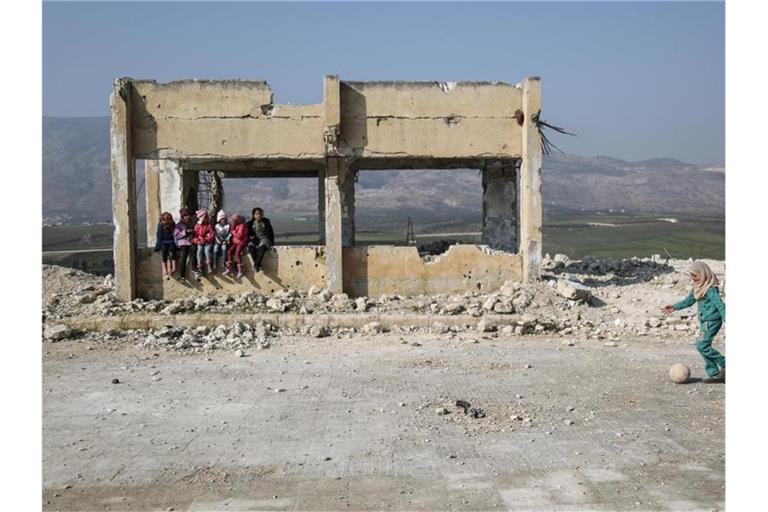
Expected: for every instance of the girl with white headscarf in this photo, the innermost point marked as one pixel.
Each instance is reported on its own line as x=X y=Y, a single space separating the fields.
x=706 y=296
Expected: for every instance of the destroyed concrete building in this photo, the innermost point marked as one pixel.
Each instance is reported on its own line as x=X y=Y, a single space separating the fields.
x=233 y=129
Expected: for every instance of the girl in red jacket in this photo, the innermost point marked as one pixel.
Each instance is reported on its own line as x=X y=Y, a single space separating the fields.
x=239 y=242
x=204 y=239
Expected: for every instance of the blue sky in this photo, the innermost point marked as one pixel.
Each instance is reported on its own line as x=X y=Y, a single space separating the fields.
x=633 y=80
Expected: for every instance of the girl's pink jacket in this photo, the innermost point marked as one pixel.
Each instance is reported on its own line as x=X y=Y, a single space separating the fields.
x=240 y=234
x=204 y=234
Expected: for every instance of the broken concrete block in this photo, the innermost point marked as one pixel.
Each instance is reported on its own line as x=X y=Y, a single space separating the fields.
x=453 y=308
x=653 y=322
x=573 y=291
x=490 y=303
x=57 y=332
x=507 y=330
x=276 y=304
x=439 y=328
x=319 y=331
x=482 y=326
x=509 y=288
x=373 y=328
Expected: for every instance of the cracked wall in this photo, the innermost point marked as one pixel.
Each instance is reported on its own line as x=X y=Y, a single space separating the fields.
x=227 y=119
x=373 y=270
x=430 y=119
x=284 y=267
x=233 y=126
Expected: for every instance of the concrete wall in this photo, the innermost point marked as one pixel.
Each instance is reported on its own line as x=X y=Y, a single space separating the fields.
x=226 y=119
x=231 y=119
x=373 y=270
x=368 y=271
x=430 y=119
x=233 y=126
x=284 y=267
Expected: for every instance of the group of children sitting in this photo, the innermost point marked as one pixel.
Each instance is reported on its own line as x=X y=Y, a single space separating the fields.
x=209 y=246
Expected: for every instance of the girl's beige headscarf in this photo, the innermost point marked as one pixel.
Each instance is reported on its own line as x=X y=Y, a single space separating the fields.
x=707 y=277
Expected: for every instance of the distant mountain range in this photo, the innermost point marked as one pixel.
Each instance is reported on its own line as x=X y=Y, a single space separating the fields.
x=77 y=188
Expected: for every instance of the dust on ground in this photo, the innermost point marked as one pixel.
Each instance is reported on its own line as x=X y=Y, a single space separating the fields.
x=572 y=418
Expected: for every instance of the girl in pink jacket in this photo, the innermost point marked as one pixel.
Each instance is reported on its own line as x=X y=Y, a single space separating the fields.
x=204 y=239
x=239 y=242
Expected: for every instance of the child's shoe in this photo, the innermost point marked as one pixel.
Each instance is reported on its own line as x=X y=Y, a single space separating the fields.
x=720 y=376
x=227 y=271
x=239 y=272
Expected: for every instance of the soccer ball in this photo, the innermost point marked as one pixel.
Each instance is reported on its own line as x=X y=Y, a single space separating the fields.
x=679 y=373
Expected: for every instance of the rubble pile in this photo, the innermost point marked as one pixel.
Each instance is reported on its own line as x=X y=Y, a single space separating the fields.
x=603 y=299
x=237 y=336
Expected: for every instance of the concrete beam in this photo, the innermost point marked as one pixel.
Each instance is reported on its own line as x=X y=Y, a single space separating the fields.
x=500 y=208
x=152 y=191
x=270 y=174
x=530 y=182
x=256 y=166
x=123 y=190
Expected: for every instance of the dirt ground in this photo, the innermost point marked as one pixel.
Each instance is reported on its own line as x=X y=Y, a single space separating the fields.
x=356 y=424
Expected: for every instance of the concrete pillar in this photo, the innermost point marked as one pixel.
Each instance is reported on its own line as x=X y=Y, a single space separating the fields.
x=530 y=182
x=123 y=190
x=152 y=190
x=173 y=187
x=347 y=185
x=333 y=227
x=321 y=205
x=500 y=208
x=217 y=195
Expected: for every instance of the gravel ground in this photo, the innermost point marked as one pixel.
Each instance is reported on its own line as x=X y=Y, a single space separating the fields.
x=371 y=422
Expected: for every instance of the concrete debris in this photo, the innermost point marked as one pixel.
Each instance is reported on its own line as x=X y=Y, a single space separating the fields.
x=453 y=308
x=57 y=332
x=573 y=291
x=361 y=304
x=653 y=322
x=490 y=303
x=468 y=409
x=373 y=328
x=589 y=299
x=483 y=326
x=439 y=328
x=319 y=331
x=238 y=336
x=276 y=304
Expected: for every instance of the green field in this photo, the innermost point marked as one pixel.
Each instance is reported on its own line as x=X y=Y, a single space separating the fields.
x=635 y=235
x=575 y=234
